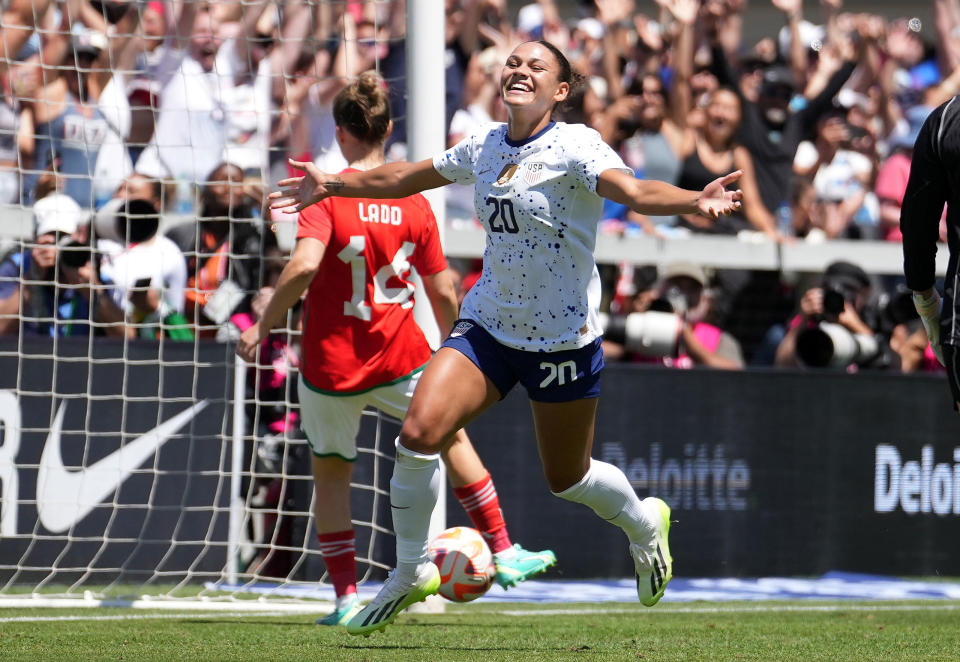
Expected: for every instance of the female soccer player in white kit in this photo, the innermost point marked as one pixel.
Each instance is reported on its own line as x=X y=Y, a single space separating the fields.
x=532 y=317
x=363 y=348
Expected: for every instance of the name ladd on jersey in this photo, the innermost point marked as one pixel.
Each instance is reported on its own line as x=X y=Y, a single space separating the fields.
x=373 y=212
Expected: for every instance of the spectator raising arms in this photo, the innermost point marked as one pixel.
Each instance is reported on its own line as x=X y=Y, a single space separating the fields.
x=17 y=23
x=362 y=346
x=712 y=150
x=217 y=105
x=532 y=317
x=771 y=130
x=69 y=126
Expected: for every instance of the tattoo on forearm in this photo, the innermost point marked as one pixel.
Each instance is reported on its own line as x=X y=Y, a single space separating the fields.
x=335 y=185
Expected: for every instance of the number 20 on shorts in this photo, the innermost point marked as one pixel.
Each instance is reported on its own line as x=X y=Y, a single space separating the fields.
x=561 y=373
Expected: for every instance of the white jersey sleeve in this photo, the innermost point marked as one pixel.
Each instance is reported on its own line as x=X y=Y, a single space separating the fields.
x=458 y=164
x=588 y=156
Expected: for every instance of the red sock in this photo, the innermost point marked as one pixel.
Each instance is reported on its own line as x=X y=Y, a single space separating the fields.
x=338 y=551
x=483 y=506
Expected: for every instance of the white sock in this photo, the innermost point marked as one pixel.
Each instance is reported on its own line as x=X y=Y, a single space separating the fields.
x=345 y=601
x=508 y=554
x=607 y=491
x=414 y=489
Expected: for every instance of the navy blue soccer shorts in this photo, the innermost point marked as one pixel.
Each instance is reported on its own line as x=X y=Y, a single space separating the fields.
x=562 y=376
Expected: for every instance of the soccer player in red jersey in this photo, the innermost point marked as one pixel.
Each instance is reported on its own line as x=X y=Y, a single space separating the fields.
x=362 y=347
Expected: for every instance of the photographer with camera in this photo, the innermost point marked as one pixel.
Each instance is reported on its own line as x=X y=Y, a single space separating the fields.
x=830 y=330
x=670 y=327
x=147 y=270
x=54 y=287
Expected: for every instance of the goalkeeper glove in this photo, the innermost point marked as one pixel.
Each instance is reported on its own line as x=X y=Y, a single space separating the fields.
x=929 y=310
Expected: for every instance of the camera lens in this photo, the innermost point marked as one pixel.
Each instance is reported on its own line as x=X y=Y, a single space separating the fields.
x=140 y=220
x=661 y=305
x=814 y=348
x=833 y=301
x=616 y=329
x=73 y=254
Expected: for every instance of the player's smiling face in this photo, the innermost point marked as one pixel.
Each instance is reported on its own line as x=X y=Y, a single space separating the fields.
x=530 y=78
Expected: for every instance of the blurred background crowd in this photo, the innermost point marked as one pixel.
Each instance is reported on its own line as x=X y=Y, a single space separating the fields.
x=156 y=127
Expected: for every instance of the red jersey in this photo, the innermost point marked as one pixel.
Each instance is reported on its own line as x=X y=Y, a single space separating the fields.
x=359 y=331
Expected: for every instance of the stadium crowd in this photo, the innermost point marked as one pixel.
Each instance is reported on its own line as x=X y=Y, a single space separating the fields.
x=116 y=115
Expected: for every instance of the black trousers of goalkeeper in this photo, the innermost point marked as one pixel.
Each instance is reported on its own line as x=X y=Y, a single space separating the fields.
x=951 y=357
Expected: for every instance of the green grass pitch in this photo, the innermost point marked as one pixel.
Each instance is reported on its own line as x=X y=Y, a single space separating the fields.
x=803 y=631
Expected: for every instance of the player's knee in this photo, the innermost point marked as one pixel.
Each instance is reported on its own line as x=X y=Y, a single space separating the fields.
x=561 y=479
x=419 y=438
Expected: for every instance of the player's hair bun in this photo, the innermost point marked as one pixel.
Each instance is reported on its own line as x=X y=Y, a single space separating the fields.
x=363 y=108
x=369 y=84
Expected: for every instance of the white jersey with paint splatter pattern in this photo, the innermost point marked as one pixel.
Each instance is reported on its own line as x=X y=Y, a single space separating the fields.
x=537 y=200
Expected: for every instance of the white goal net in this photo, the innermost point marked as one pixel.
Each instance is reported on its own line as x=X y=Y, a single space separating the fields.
x=137 y=458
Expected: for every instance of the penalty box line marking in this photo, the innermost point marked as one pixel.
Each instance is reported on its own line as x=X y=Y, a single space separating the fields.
x=732 y=610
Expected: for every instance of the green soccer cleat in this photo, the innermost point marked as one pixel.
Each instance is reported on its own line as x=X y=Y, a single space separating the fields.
x=342 y=615
x=394 y=597
x=652 y=561
x=516 y=564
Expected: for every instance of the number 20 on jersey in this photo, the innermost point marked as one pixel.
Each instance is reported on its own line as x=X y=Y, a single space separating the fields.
x=503 y=218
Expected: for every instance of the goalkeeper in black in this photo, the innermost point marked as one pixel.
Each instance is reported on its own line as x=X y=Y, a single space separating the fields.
x=935 y=180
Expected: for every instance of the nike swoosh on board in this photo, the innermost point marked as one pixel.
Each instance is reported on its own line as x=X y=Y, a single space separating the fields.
x=65 y=497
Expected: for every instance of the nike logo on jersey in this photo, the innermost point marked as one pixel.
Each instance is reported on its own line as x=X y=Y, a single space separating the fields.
x=65 y=497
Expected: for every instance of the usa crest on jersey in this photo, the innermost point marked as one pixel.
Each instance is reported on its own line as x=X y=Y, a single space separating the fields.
x=533 y=172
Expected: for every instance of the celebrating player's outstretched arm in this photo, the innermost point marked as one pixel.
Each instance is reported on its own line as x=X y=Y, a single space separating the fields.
x=396 y=180
x=656 y=198
x=391 y=180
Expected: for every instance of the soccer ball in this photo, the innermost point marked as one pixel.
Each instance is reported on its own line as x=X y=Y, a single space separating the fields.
x=465 y=563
